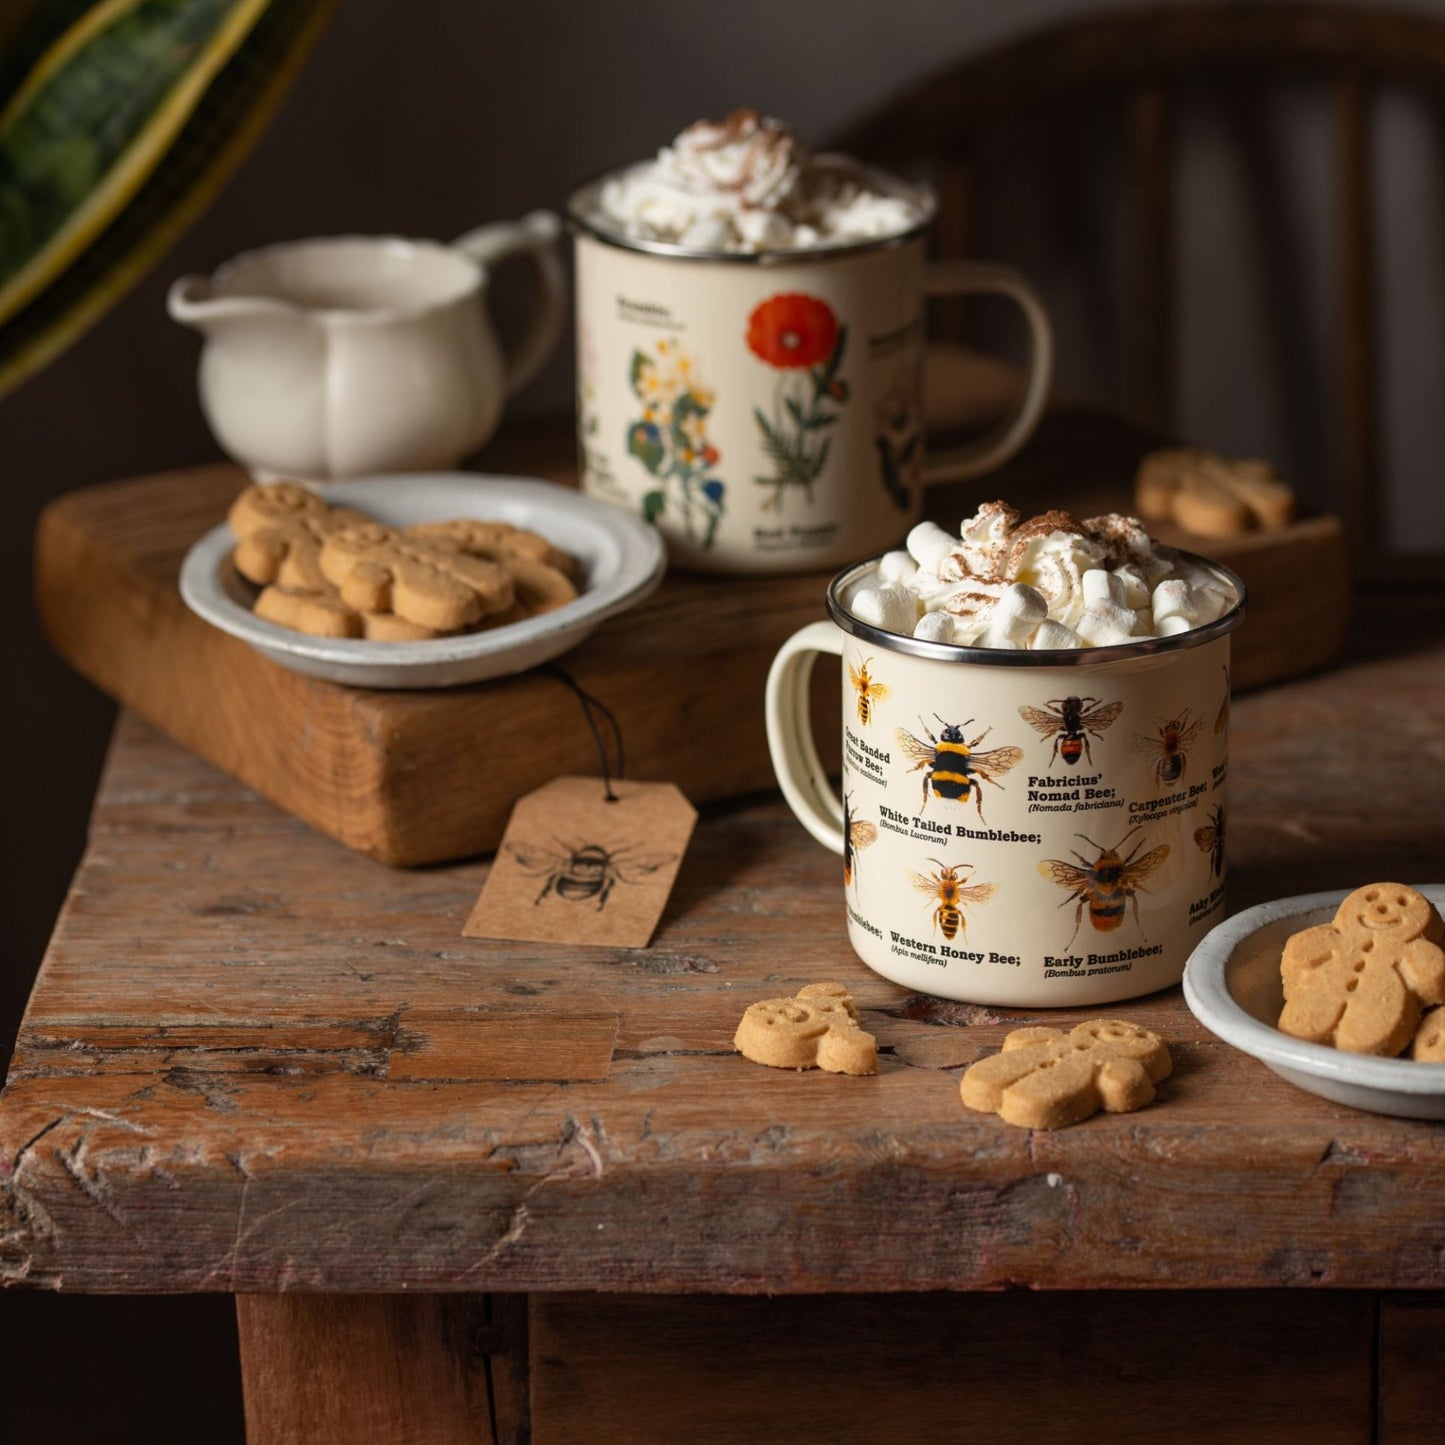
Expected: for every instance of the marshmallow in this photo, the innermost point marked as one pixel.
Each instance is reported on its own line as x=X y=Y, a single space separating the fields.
x=1212 y=603
x=1174 y=598
x=1051 y=636
x=1106 y=624
x=935 y=627
x=999 y=641
x=1172 y=625
x=1136 y=589
x=929 y=544
x=891 y=607
x=897 y=567
x=1101 y=586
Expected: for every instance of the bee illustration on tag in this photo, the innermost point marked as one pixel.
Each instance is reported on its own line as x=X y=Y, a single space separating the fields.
x=943 y=888
x=857 y=834
x=1107 y=884
x=951 y=767
x=1167 y=749
x=869 y=691
x=1071 y=722
x=1210 y=839
x=580 y=872
x=1221 y=719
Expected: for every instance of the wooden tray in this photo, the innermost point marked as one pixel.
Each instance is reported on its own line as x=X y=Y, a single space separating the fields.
x=422 y=777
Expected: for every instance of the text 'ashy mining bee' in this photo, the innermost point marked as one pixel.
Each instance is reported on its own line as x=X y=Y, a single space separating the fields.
x=944 y=888
x=1107 y=884
x=1071 y=722
x=580 y=872
x=1167 y=748
x=856 y=834
x=952 y=769
x=1210 y=839
x=869 y=691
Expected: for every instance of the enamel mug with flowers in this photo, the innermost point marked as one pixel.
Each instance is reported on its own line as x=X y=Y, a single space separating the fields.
x=764 y=408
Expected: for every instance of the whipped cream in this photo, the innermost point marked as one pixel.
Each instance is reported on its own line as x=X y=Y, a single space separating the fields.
x=748 y=184
x=1043 y=583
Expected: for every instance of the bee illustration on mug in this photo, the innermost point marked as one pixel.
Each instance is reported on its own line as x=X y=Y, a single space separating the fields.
x=951 y=768
x=1071 y=722
x=1167 y=748
x=1210 y=839
x=1107 y=883
x=945 y=890
x=869 y=690
x=857 y=834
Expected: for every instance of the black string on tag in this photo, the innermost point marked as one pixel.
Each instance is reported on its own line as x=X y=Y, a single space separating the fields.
x=588 y=703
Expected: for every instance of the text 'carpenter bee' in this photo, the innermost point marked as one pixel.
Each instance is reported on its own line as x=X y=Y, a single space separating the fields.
x=1210 y=839
x=1167 y=748
x=943 y=888
x=952 y=769
x=868 y=691
x=856 y=834
x=582 y=871
x=1107 y=884
x=1071 y=722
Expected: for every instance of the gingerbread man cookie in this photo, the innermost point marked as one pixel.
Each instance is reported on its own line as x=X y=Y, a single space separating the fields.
x=1362 y=982
x=817 y=1028
x=378 y=569
x=1429 y=1044
x=1045 y=1078
x=540 y=572
x=279 y=529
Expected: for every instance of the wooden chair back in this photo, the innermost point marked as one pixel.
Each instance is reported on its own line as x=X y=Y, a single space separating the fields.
x=1146 y=55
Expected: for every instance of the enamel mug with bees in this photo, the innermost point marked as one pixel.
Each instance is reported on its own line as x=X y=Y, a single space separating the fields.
x=1027 y=829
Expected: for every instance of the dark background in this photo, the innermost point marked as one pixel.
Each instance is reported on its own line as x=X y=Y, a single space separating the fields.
x=431 y=117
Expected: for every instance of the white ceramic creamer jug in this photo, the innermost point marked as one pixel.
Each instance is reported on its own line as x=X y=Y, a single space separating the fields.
x=337 y=357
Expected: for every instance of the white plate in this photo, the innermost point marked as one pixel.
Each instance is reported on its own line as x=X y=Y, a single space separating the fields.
x=620 y=557
x=1232 y=985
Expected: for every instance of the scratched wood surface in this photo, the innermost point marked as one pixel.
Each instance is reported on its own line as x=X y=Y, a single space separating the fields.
x=258 y=1061
x=386 y=772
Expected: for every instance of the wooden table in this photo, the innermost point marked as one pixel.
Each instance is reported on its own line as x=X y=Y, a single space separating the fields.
x=492 y=1192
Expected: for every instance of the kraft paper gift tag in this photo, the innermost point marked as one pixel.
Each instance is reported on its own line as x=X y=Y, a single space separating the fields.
x=574 y=867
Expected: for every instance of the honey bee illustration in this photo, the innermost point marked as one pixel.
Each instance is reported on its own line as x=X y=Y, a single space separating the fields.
x=582 y=871
x=951 y=767
x=856 y=835
x=1167 y=748
x=942 y=887
x=1108 y=884
x=1071 y=722
x=1210 y=839
x=868 y=691
x=1221 y=720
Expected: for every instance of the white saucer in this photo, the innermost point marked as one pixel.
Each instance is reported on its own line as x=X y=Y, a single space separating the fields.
x=621 y=560
x=1232 y=986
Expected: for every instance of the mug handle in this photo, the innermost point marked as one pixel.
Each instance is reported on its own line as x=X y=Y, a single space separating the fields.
x=535 y=237
x=790 y=733
x=958 y=278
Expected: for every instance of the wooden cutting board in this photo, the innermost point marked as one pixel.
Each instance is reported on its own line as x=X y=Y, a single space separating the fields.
x=422 y=777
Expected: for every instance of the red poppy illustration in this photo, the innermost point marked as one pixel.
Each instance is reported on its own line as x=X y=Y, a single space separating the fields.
x=803 y=341
x=792 y=331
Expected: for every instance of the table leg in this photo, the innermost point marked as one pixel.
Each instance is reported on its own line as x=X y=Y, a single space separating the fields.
x=428 y=1369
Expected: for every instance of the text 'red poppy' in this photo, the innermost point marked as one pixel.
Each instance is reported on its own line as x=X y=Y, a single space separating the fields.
x=792 y=330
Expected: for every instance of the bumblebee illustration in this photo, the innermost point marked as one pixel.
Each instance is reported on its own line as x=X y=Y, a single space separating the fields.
x=951 y=768
x=1071 y=722
x=1107 y=884
x=868 y=691
x=1210 y=839
x=581 y=872
x=1167 y=749
x=942 y=887
x=856 y=835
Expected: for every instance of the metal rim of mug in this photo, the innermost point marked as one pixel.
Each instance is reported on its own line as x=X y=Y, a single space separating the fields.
x=580 y=218
x=953 y=652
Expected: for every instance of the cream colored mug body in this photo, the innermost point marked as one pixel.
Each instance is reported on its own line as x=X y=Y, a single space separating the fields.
x=1022 y=829
x=765 y=411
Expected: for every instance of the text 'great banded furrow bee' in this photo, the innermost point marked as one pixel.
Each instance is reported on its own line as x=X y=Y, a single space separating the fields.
x=951 y=767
